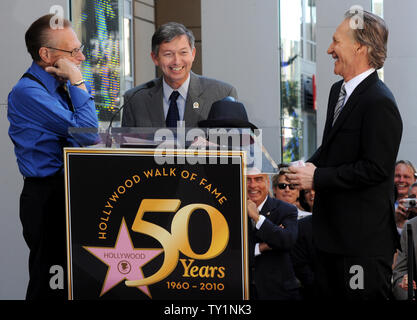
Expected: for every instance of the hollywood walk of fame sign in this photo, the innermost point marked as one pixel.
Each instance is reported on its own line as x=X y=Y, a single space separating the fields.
x=141 y=230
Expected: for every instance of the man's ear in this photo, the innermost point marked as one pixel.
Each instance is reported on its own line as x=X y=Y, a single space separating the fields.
x=44 y=54
x=155 y=59
x=362 y=49
x=193 y=53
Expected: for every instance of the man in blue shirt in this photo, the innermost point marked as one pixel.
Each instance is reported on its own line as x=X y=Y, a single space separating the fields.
x=50 y=98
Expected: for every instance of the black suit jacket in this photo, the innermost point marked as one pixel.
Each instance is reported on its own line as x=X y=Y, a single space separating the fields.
x=353 y=210
x=304 y=258
x=273 y=273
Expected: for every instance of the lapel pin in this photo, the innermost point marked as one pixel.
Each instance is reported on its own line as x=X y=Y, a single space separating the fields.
x=268 y=213
x=196 y=105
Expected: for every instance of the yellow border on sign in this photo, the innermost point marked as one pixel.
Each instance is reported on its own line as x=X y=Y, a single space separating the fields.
x=199 y=152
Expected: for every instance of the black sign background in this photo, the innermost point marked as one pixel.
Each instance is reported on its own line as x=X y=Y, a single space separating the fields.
x=97 y=175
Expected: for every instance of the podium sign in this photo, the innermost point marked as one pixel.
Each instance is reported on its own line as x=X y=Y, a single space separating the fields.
x=141 y=230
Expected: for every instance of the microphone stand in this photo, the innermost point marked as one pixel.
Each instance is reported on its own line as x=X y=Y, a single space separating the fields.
x=109 y=141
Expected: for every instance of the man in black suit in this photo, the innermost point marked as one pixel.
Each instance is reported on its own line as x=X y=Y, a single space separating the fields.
x=353 y=170
x=272 y=237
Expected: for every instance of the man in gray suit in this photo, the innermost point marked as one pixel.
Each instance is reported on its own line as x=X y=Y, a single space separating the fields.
x=180 y=94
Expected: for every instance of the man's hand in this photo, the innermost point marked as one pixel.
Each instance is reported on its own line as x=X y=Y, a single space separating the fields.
x=302 y=177
x=64 y=70
x=253 y=212
x=263 y=246
x=401 y=214
x=404 y=283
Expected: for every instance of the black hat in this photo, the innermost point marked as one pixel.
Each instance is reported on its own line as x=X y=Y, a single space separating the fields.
x=227 y=114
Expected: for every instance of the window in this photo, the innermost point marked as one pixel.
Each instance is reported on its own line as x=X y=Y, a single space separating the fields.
x=104 y=27
x=298 y=66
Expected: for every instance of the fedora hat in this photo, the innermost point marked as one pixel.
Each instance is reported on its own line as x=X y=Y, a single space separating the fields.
x=227 y=114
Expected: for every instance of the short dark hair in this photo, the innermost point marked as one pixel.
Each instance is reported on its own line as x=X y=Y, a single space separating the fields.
x=169 y=31
x=37 y=36
x=275 y=179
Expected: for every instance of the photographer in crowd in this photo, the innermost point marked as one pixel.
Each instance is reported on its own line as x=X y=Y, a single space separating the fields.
x=404 y=178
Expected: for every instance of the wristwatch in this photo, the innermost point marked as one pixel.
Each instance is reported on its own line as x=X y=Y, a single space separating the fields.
x=78 y=83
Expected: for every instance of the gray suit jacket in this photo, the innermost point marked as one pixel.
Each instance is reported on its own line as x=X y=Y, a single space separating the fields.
x=144 y=106
x=400 y=268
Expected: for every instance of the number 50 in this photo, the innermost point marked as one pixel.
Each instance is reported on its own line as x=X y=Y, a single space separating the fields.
x=177 y=240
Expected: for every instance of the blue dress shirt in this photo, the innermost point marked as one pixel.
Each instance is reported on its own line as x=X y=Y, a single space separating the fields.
x=39 y=121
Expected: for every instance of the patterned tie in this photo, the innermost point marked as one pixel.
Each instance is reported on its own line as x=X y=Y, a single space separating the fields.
x=173 y=114
x=63 y=92
x=339 y=104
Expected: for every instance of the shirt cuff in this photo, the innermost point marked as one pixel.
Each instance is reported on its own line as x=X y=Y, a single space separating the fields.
x=260 y=222
x=257 y=251
x=79 y=97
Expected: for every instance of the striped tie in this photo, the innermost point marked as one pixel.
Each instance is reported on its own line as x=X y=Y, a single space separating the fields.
x=339 y=104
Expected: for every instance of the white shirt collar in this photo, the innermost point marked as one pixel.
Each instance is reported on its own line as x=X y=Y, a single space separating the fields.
x=354 y=82
x=262 y=204
x=183 y=89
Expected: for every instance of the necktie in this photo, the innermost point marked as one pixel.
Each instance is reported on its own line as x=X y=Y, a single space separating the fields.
x=63 y=92
x=339 y=104
x=173 y=114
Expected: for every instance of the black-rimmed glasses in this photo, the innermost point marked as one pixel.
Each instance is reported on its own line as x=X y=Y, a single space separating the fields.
x=73 y=53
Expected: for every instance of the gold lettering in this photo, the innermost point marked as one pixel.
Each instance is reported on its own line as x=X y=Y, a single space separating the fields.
x=148 y=173
x=108 y=205
x=221 y=272
x=194 y=271
x=113 y=197
x=212 y=269
x=204 y=272
x=187 y=174
x=172 y=172
x=186 y=267
x=222 y=199
x=217 y=194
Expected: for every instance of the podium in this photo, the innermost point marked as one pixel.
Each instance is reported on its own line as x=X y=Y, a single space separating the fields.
x=159 y=214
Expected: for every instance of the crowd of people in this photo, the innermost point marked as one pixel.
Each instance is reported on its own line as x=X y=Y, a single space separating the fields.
x=302 y=250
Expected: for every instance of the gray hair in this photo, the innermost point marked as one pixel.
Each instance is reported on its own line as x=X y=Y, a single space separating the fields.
x=373 y=34
x=168 y=32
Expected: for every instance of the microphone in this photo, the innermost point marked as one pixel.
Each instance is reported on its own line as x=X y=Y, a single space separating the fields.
x=147 y=85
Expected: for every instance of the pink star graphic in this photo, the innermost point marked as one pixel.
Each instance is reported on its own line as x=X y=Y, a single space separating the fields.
x=123 y=261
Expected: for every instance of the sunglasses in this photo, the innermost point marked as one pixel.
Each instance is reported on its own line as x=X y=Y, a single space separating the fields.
x=282 y=186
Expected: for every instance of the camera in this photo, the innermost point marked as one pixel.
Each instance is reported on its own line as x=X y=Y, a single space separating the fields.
x=409 y=203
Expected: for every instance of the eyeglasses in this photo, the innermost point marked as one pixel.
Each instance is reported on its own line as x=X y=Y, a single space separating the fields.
x=73 y=53
x=282 y=186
